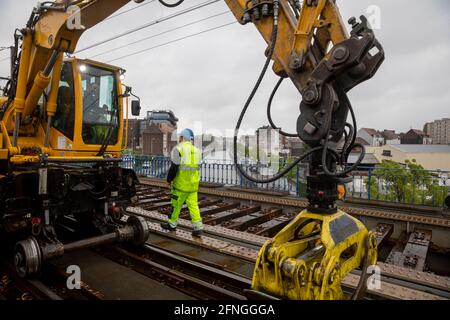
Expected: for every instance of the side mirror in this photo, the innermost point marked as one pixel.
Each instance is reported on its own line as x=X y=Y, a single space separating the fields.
x=135 y=108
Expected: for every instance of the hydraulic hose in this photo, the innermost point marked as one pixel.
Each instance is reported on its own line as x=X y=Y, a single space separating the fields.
x=169 y=5
x=348 y=147
x=346 y=151
x=249 y=100
x=269 y=113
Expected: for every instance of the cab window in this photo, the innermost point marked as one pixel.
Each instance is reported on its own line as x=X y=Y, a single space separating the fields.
x=64 y=119
x=100 y=106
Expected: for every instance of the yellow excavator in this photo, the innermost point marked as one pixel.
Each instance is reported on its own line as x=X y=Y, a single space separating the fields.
x=61 y=137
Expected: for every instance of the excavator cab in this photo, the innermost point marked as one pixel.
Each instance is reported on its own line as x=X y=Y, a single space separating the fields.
x=64 y=178
x=89 y=110
x=62 y=167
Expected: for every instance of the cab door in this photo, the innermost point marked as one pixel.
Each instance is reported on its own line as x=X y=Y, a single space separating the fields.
x=63 y=122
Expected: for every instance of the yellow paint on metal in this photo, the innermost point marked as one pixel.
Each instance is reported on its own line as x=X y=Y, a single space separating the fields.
x=19 y=159
x=40 y=83
x=303 y=261
x=32 y=135
x=321 y=21
x=53 y=95
x=19 y=100
x=3 y=154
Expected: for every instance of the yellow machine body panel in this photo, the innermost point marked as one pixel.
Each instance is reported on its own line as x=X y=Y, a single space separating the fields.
x=69 y=111
x=86 y=97
x=79 y=145
x=308 y=258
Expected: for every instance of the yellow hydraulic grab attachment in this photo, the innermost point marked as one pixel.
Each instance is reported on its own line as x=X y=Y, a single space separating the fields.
x=310 y=257
x=61 y=135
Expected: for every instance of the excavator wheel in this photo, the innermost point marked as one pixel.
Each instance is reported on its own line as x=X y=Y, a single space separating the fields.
x=27 y=257
x=141 y=230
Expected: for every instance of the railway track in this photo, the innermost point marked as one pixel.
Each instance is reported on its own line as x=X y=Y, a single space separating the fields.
x=14 y=288
x=238 y=230
x=174 y=265
x=238 y=254
x=193 y=278
x=50 y=285
x=249 y=211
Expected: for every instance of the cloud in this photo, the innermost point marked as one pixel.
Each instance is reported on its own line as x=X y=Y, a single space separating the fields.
x=207 y=78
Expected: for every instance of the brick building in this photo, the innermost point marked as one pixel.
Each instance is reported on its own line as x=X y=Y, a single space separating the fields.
x=415 y=136
x=153 y=135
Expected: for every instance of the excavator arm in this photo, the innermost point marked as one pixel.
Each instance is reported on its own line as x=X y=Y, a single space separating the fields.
x=302 y=42
x=311 y=257
x=314 y=49
x=309 y=44
x=51 y=31
x=306 y=35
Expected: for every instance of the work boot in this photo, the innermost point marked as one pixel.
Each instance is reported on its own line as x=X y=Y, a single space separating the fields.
x=167 y=226
x=197 y=233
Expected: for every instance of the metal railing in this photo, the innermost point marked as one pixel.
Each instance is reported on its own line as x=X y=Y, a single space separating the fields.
x=224 y=173
x=405 y=186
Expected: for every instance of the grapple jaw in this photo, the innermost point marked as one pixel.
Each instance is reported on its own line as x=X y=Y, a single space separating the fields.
x=310 y=258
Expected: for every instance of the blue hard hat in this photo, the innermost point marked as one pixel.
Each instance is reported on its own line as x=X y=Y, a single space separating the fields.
x=187 y=134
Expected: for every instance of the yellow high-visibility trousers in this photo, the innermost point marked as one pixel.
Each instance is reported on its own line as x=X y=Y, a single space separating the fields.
x=191 y=200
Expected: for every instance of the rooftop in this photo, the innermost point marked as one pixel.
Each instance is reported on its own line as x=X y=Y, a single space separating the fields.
x=361 y=141
x=368 y=159
x=418 y=132
x=371 y=131
x=389 y=134
x=162 y=116
x=422 y=148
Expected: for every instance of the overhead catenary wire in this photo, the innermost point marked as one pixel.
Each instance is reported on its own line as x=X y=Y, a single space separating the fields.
x=3 y=49
x=158 y=34
x=172 y=41
x=151 y=23
x=129 y=10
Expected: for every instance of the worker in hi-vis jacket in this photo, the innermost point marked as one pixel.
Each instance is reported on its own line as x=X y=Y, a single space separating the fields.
x=184 y=179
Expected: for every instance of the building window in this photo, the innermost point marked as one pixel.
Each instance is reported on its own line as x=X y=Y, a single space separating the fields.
x=387 y=153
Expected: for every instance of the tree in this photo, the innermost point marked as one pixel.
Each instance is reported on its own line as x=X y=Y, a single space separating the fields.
x=409 y=183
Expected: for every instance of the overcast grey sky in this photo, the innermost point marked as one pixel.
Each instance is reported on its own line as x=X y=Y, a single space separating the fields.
x=207 y=78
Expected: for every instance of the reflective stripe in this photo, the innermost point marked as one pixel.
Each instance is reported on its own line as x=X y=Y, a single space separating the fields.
x=173 y=224
x=186 y=168
x=191 y=200
x=188 y=175
x=198 y=225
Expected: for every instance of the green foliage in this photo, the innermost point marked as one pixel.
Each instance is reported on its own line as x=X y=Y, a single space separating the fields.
x=408 y=183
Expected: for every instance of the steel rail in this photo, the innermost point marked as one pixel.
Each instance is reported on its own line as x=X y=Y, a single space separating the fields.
x=287 y=201
x=387 y=290
x=169 y=272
